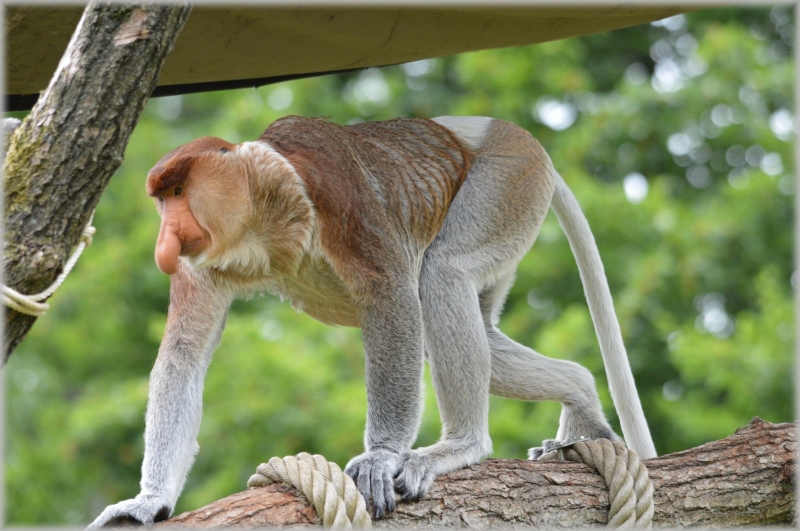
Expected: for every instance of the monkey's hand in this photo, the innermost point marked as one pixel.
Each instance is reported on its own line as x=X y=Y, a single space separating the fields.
x=373 y=472
x=144 y=509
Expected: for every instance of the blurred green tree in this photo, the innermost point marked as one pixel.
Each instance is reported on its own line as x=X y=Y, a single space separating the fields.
x=676 y=138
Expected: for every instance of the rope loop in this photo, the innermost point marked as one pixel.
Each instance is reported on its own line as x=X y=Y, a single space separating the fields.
x=332 y=492
x=32 y=304
x=630 y=491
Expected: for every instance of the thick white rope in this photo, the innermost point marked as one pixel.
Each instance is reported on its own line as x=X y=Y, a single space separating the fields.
x=333 y=493
x=32 y=304
x=630 y=491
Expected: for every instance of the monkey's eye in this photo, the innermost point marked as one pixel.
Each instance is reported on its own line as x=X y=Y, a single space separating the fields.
x=224 y=150
x=178 y=190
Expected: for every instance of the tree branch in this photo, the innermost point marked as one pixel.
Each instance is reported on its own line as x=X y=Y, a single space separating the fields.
x=64 y=153
x=744 y=479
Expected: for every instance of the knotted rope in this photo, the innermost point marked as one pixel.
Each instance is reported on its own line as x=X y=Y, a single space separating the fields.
x=332 y=492
x=630 y=490
x=32 y=304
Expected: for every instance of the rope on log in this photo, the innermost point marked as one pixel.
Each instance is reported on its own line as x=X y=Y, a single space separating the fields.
x=341 y=506
x=332 y=492
x=630 y=490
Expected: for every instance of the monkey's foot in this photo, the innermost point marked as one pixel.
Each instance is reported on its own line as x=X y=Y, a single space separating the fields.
x=551 y=445
x=144 y=509
x=373 y=472
x=536 y=452
x=419 y=468
x=415 y=476
x=576 y=424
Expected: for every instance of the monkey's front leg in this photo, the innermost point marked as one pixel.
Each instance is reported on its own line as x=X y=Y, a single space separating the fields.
x=175 y=404
x=392 y=334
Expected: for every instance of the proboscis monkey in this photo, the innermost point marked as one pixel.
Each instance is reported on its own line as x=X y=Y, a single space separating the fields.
x=411 y=229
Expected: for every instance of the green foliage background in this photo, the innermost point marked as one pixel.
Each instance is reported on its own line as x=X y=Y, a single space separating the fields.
x=700 y=106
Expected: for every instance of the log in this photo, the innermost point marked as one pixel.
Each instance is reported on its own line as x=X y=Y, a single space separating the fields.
x=744 y=479
x=62 y=156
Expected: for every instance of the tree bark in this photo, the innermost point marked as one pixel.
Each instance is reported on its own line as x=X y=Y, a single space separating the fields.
x=744 y=479
x=62 y=156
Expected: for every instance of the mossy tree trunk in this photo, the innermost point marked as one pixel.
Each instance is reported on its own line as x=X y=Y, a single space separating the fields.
x=62 y=156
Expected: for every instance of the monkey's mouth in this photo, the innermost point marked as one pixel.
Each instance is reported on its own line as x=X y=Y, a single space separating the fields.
x=194 y=247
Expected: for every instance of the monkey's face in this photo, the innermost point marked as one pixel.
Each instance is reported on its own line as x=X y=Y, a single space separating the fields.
x=200 y=190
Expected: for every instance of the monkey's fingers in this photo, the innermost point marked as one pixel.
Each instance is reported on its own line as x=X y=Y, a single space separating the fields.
x=373 y=473
x=382 y=492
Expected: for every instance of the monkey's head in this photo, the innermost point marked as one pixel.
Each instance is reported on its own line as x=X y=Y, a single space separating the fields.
x=202 y=194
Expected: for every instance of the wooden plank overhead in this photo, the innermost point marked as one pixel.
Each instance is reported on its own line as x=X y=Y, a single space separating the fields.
x=229 y=47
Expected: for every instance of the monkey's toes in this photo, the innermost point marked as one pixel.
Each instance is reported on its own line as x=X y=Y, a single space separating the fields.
x=414 y=477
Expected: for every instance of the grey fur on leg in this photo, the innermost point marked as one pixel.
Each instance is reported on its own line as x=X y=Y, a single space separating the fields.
x=514 y=366
x=477 y=247
x=454 y=338
x=174 y=408
x=393 y=348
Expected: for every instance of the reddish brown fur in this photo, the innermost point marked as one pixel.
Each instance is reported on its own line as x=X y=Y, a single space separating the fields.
x=370 y=183
x=173 y=168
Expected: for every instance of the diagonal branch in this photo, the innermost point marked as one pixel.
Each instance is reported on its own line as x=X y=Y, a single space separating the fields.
x=62 y=156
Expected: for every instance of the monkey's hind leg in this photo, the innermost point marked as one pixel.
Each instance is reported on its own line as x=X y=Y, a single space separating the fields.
x=489 y=227
x=491 y=224
x=522 y=373
x=458 y=354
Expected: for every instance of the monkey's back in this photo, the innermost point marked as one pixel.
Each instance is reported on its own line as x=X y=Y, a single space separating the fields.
x=373 y=182
x=416 y=167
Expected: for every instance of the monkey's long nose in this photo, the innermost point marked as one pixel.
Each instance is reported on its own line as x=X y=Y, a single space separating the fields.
x=168 y=248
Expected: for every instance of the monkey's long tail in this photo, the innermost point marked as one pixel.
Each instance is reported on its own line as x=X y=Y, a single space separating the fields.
x=598 y=296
